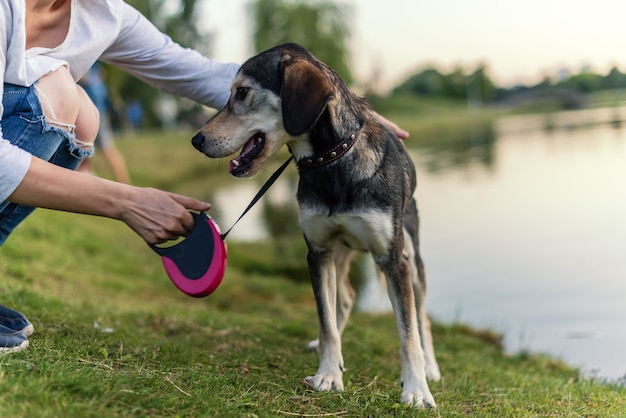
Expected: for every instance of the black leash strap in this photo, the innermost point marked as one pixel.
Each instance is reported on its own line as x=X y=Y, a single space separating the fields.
x=261 y=192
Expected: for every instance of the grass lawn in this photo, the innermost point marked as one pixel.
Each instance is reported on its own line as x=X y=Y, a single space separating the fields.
x=114 y=338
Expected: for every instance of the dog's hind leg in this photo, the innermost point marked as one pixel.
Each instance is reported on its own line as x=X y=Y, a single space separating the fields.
x=418 y=280
x=345 y=292
x=397 y=269
x=342 y=256
x=322 y=270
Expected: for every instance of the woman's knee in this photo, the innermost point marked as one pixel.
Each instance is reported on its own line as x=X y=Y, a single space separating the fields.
x=67 y=106
x=88 y=118
x=59 y=98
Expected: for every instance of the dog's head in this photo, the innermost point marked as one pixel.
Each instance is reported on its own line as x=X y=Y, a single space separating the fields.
x=276 y=97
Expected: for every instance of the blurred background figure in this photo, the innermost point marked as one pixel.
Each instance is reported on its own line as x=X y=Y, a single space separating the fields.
x=134 y=114
x=96 y=89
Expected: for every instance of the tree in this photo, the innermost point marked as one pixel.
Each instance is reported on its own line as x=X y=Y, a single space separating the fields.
x=585 y=82
x=180 y=21
x=480 y=88
x=428 y=82
x=476 y=87
x=615 y=79
x=321 y=27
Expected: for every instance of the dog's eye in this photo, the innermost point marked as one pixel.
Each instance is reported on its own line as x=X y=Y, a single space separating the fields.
x=241 y=93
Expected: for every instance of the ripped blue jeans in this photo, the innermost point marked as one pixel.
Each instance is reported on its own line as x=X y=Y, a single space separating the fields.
x=24 y=125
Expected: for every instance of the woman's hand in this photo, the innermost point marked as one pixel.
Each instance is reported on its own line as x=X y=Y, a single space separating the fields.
x=159 y=216
x=400 y=133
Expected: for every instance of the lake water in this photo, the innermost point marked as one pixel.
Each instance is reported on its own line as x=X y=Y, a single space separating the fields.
x=523 y=231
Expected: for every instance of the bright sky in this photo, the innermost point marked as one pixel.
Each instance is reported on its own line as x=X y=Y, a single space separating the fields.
x=519 y=41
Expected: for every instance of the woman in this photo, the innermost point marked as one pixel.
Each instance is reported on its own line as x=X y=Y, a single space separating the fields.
x=49 y=124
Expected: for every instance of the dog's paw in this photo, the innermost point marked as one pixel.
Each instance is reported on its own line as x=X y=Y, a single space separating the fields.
x=325 y=382
x=313 y=345
x=433 y=373
x=418 y=399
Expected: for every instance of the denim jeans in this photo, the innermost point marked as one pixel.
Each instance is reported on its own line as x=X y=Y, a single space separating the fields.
x=24 y=125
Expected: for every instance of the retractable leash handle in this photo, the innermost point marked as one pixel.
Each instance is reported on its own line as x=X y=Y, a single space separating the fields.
x=196 y=265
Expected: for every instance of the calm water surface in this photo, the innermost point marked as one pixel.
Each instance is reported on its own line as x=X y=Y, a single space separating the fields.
x=533 y=244
x=523 y=231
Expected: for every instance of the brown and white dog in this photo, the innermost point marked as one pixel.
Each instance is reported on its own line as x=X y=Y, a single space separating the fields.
x=355 y=194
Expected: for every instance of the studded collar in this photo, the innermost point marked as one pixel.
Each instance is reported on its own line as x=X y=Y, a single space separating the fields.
x=330 y=155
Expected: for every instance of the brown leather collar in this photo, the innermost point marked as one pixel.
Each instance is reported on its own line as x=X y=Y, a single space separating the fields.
x=330 y=155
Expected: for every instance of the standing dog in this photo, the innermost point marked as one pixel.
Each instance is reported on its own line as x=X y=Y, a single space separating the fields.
x=355 y=194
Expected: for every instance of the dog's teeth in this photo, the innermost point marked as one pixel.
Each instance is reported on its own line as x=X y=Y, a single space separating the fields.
x=235 y=163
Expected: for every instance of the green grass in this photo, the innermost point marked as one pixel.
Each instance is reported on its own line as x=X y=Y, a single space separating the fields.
x=239 y=352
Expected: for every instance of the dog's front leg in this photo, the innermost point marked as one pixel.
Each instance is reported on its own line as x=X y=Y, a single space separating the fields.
x=324 y=282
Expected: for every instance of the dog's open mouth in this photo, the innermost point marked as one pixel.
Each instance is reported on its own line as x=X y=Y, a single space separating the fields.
x=250 y=151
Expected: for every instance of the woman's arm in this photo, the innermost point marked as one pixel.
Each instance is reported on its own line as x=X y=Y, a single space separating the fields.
x=147 y=53
x=400 y=133
x=155 y=215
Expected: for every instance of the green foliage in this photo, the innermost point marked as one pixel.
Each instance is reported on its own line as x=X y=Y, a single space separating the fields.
x=585 y=82
x=615 y=79
x=480 y=88
x=179 y=20
x=475 y=87
x=428 y=82
x=322 y=27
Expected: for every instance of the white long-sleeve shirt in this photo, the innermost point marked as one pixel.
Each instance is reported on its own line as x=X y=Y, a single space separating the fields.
x=113 y=32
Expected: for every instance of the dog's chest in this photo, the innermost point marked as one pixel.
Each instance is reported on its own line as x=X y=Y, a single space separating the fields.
x=370 y=230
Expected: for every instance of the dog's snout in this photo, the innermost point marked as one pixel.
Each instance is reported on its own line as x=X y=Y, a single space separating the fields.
x=198 y=141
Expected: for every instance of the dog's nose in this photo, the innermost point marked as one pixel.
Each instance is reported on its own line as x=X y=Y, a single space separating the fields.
x=198 y=141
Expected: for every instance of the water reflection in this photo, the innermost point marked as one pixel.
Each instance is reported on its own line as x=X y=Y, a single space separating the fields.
x=532 y=245
x=476 y=146
x=523 y=231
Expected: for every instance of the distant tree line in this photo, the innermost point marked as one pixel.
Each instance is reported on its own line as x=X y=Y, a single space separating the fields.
x=322 y=26
x=477 y=86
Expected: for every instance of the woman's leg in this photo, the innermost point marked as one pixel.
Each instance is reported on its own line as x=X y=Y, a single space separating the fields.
x=74 y=113
x=56 y=121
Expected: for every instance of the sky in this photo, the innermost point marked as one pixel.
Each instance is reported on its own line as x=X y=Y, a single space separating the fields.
x=520 y=42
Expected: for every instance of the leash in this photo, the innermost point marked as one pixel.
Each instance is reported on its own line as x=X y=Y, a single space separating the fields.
x=261 y=192
x=197 y=264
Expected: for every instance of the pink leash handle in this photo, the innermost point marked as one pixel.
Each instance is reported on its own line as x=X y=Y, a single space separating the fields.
x=197 y=264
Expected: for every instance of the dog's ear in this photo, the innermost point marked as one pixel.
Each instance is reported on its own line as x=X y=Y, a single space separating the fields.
x=305 y=92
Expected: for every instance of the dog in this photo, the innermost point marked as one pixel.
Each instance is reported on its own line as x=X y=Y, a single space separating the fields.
x=355 y=193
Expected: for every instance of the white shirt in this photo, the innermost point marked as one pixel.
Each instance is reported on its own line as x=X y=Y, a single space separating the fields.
x=113 y=32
